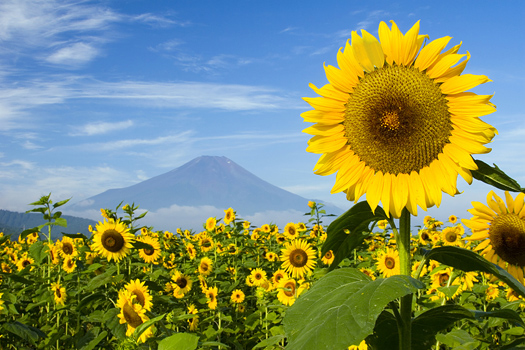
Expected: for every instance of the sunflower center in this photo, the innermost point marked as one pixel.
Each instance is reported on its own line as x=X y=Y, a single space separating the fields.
x=507 y=235
x=204 y=267
x=112 y=240
x=67 y=248
x=181 y=282
x=298 y=258
x=289 y=289
x=397 y=120
x=451 y=236
x=149 y=251
x=58 y=293
x=258 y=276
x=390 y=263
x=131 y=317
x=25 y=263
x=328 y=255
x=443 y=279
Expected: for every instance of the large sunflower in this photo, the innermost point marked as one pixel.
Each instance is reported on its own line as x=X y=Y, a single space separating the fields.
x=132 y=314
x=502 y=231
x=298 y=258
x=395 y=121
x=112 y=239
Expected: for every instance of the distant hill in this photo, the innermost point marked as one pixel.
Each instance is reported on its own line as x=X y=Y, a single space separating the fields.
x=13 y=223
x=204 y=182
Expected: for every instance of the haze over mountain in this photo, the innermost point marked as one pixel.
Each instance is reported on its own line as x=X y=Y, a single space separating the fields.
x=186 y=196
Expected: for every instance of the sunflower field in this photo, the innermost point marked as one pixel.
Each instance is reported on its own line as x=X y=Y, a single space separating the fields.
x=229 y=286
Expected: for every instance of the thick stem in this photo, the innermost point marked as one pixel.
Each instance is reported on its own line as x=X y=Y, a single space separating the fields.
x=403 y=243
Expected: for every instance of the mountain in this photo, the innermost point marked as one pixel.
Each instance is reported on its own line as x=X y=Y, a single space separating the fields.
x=204 y=181
x=14 y=223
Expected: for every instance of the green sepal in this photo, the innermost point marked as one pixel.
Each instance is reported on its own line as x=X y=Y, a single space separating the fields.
x=349 y=230
x=341 y=309
x=495 y=177
x=467 y=260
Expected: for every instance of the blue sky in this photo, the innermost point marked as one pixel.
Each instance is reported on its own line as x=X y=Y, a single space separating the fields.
x=104 y=94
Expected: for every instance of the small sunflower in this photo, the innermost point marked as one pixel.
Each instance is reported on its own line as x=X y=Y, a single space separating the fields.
x=132 y=314
x=229 y=216
x=211 y=295
x=141 y=293
x=24 y=261
x=501 y=228
x=288 y=291
x=290 y=231
x=194 y=322
x=395 y=121
x=271 y=256
x=298 y=258
x=492 y=292
x=388 y=263
x=237 y=296
x=258 y=276
x=182 y=282
x=150 y=255
x=112 y=239
x=452 y=219
x=59 y=293
x=328 y=258
x=232 y=249
x=190 y=249
x=205 y=266
x=67 y=247
x=451 y=236
x=210 y=224
x=69 y=265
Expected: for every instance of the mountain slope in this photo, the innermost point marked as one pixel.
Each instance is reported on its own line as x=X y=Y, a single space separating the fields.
x=206 y=180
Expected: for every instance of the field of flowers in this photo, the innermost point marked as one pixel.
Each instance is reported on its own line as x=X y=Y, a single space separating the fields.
x=227 y=287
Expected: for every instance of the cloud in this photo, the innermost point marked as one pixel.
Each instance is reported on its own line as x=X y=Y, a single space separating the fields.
x=158 y=21
x=99 y=128
x=73 y=55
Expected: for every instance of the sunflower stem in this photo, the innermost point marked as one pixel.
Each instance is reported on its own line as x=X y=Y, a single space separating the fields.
x=403 y=242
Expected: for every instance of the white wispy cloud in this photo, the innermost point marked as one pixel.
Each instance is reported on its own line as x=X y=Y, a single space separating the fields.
x=74 y=54
x=159 y=20
x=99 y=128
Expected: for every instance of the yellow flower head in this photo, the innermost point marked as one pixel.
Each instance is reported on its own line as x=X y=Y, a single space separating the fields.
x=388 y=263
x=141 y=293
x=229 y=216
x=298 y=258
x=150 y=255
x=205 y=266
x=237 y=296
x=395 y=121
x=112 y=239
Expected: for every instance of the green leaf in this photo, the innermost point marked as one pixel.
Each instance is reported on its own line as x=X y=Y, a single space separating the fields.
x=61 y=203
x=60 y=222
x=142 y=245
x=458 y=339
x=27 y=333
x=341 y=309
x=467 y=260
x=92 y=344
x=144 y=326
x=27 y=232
x=349 y=230
x=17 y=278
x=270 y=341
x=495 y=177
x=179 y=341
x=75 y=235
x=38 y=251
x=508 y=314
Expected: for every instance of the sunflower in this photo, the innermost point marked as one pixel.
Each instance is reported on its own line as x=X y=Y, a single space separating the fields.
x=452 y=236
x=452 y=219
x=211 y=296
x=132 y=314
x=229 y=216
x=362 y=346
x=24 y=261
x=210 y=224
x=205 y=266
x=150 y=255
x=502 y=231
x=388 y=263
x=271 y=256
x=54 y=254
x=288 y=291
x=141 y=293
x=290 y=231
x=67 y=247
x=258 y=276
x=1 y=302
x=395 y=121
x=206 y=243
x=190 y=249
x=328 y=258
x=492 y=292
x=237 y=296
x=232 y=249
x=112 y=239
x=59 y=293
x=69 y=265
x=192 y=310
x=182 y=282
x=298 y=258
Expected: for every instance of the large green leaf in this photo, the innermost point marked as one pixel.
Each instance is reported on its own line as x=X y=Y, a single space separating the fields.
x=179 y=341
x=467 y=260
x=341 y=309
x=349 y=230
x=494 y=176
x=38 y=251
x=28 y=333
x=144 y=326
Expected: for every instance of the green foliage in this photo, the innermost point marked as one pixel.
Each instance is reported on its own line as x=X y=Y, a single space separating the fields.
x=496 y=177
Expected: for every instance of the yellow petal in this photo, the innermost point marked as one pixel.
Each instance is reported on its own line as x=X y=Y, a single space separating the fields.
x=400 y=190
x=430 y=53
x=367 y=50
x=325 y=144
x=384 y=38
x=519 y=202
x=470 y=146
x=324 y=130
x=315 y=116
x=510 y=202
x=349 y=64
x=375 y=189
x=460 y=156
x=346 y=176
x=442 y=65
x=329 y=91
x=462 y=83
x=417 y=190
x=454 y=71
x=387 y=192
x=411 y=46
x=325 y=104
x=329 y=163
x=338 y=79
